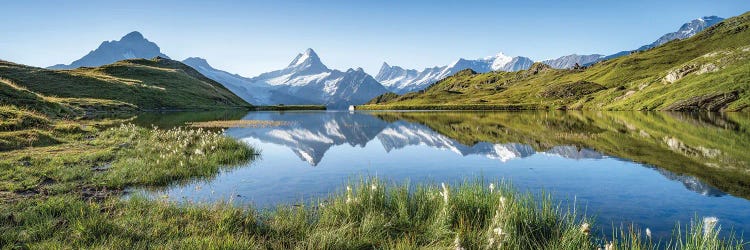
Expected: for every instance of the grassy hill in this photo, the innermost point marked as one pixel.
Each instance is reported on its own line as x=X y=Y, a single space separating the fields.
x=709 y=71
x=156 y=84
x=37 y=105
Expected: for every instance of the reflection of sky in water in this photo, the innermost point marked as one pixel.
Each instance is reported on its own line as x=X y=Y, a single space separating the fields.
x=324 y=150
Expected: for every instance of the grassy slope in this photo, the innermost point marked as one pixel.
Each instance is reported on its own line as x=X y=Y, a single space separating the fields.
x=12 y=94
x=632 y=82
x=90 y=157
x=148 y=84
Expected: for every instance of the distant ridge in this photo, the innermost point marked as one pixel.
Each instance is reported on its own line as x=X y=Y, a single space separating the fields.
x=687 y=30
x=131 y=46
x=399 y=80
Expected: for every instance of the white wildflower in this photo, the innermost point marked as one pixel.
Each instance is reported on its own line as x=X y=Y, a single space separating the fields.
x=492 y=187
x=585 y=228
x=349 y=195
x=444 y=193
x=708 y=224
x=457 y=243
x=373 y=187
x=648 y=233
x=609 y=246
x=499 y=232
x=198 y=151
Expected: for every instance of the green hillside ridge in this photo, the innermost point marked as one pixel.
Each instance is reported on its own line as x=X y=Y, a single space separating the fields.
x=155 y=84
x=710 y=71
x=11 y=94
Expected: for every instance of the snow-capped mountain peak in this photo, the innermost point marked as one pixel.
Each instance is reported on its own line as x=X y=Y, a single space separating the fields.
x=305 y=67
x=687 y=30
x=390 y=76
x=307 y=59
x=500 y=60
x=308 y=81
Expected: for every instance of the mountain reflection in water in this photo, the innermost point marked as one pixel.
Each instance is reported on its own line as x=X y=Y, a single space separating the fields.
x=506 y=136
x=311 y=136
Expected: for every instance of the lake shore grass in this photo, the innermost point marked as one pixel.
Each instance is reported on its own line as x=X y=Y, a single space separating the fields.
x=363 y=215
x=88 y=159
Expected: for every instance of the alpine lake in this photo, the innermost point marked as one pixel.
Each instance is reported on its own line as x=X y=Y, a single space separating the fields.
x=645 y=169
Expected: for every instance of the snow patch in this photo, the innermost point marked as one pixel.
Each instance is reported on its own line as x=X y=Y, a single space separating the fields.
x=296 y=135
x=290 y=79
x=301 y=59
x=304 y=80
x=331 y=86
x=500 y=60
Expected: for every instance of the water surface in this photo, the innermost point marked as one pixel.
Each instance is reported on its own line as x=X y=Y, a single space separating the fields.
x=653 y=169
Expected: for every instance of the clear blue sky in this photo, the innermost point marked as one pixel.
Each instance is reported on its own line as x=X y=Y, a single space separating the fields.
x=253 y=37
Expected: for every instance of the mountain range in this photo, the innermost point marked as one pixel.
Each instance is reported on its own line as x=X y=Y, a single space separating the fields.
x=569 y=61
x=400 y=80
x=306 y=80
x=707 y=71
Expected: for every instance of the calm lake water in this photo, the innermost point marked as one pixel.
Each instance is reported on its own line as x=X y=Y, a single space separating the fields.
x=652 y=169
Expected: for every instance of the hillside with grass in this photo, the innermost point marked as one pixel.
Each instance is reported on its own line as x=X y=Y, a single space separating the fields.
x=142 y=84
x=709 y=71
